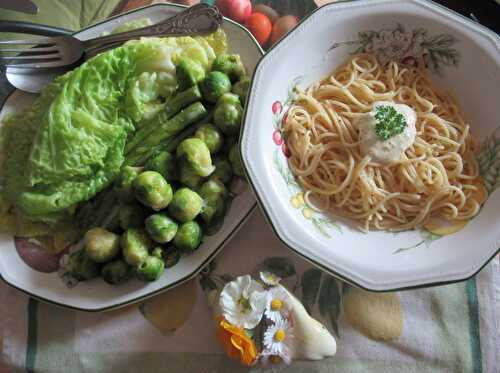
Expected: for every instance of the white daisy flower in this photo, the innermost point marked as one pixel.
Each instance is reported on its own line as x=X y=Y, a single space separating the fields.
x=243 y=302
x=269 y=278
x=266 y=358
x=278 y=341
x=277 y=304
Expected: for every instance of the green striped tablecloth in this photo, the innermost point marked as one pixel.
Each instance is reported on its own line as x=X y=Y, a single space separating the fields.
x=453 y=328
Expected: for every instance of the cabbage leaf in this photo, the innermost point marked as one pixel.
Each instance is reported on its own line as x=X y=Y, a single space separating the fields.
x=69 y=145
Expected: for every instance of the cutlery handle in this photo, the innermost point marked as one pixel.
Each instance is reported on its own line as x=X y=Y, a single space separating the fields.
x=197 y=20
x=32 y=28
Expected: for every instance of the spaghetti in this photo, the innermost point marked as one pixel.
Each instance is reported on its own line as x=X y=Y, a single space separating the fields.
x=437 y=176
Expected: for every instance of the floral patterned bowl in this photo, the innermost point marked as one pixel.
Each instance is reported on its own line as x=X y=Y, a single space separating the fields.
x=462 y=56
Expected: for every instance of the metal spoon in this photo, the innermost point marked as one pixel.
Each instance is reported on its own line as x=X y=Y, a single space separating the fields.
x=189 y=23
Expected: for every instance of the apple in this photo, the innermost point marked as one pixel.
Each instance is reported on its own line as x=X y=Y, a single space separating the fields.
x=237 y=10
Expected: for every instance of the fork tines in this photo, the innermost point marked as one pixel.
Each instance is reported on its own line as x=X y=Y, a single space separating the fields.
x=39 y=49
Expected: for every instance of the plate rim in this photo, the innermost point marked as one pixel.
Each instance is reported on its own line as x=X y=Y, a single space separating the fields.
x=215 y=251
x=431 y=6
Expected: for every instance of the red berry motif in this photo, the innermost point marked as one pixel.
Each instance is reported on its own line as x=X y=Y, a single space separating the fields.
x=278 y=140
x=410 y=60
x=283 y=120
x=285 y=150
x=277 y=107
x=427 y=59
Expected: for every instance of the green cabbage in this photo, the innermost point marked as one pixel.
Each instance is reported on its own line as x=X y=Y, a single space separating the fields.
x=69 y=145
x=132 y=25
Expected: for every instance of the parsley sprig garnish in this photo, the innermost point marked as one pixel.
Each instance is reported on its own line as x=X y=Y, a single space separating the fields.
x=389 y=122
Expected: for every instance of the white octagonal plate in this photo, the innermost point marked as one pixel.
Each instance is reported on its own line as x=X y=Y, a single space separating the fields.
x=466 y=60
x=96 y=295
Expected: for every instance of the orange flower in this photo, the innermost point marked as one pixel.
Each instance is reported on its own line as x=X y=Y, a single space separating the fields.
x=236 y=342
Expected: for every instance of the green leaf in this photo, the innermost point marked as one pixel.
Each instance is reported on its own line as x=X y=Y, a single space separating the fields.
x=320 y=226
x=284 y=171
x=330 y=301
x=207 y=283
x=311 y=281
x=226 y=277
x=400 y=28
x=279 y=265
x=429 y=237
x=366 y=36
x=402 y=249
x=489 y=161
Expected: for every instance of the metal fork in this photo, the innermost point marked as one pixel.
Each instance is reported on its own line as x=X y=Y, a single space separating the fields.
x=54 y=52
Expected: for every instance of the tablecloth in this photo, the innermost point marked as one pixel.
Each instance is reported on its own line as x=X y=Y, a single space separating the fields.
x=453 y=328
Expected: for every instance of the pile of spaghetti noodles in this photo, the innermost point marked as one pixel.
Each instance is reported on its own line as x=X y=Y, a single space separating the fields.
x=435 y=177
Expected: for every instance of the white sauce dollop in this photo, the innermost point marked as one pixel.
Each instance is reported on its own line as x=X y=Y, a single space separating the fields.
x=390 y=150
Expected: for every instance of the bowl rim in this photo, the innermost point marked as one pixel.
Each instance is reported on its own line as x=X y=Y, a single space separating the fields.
x=429 y=5
x=215 y=251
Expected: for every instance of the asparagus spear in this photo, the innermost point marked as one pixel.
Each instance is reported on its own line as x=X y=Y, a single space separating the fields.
x=189 y=73
x=164 y=132
x=172 y=107
x=171 y=144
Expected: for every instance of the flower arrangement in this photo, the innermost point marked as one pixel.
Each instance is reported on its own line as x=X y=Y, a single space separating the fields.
x=261 y=321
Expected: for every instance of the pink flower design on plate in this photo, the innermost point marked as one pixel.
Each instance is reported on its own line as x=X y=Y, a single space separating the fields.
x=286 y=150
x=277 y=107
x=283 y=120
x=277 y=138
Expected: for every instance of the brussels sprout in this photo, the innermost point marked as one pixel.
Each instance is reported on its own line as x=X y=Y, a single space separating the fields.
x=152 y=190
x=116 y=272
x=196 y=153
x=124 y=181
x=235 y=159
x=161 y=228
x=171 y=258
x=131 y=216
x=213 y=189
x=227 y=115
x=229 y=141
x=223 y=170
x=229 y=98
x=211 y=136
x=164 y=163
x=187 y=174
x=150 y=269
x=100 y=245
x=214 y=194
x=186 y=205
x=231 y=65
x=241 y=89
x=189 y=73
x=135 y=246
x=215 y=85
x=4 y=206
x=82 y=267
x=157 y=252
x=188 y=236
